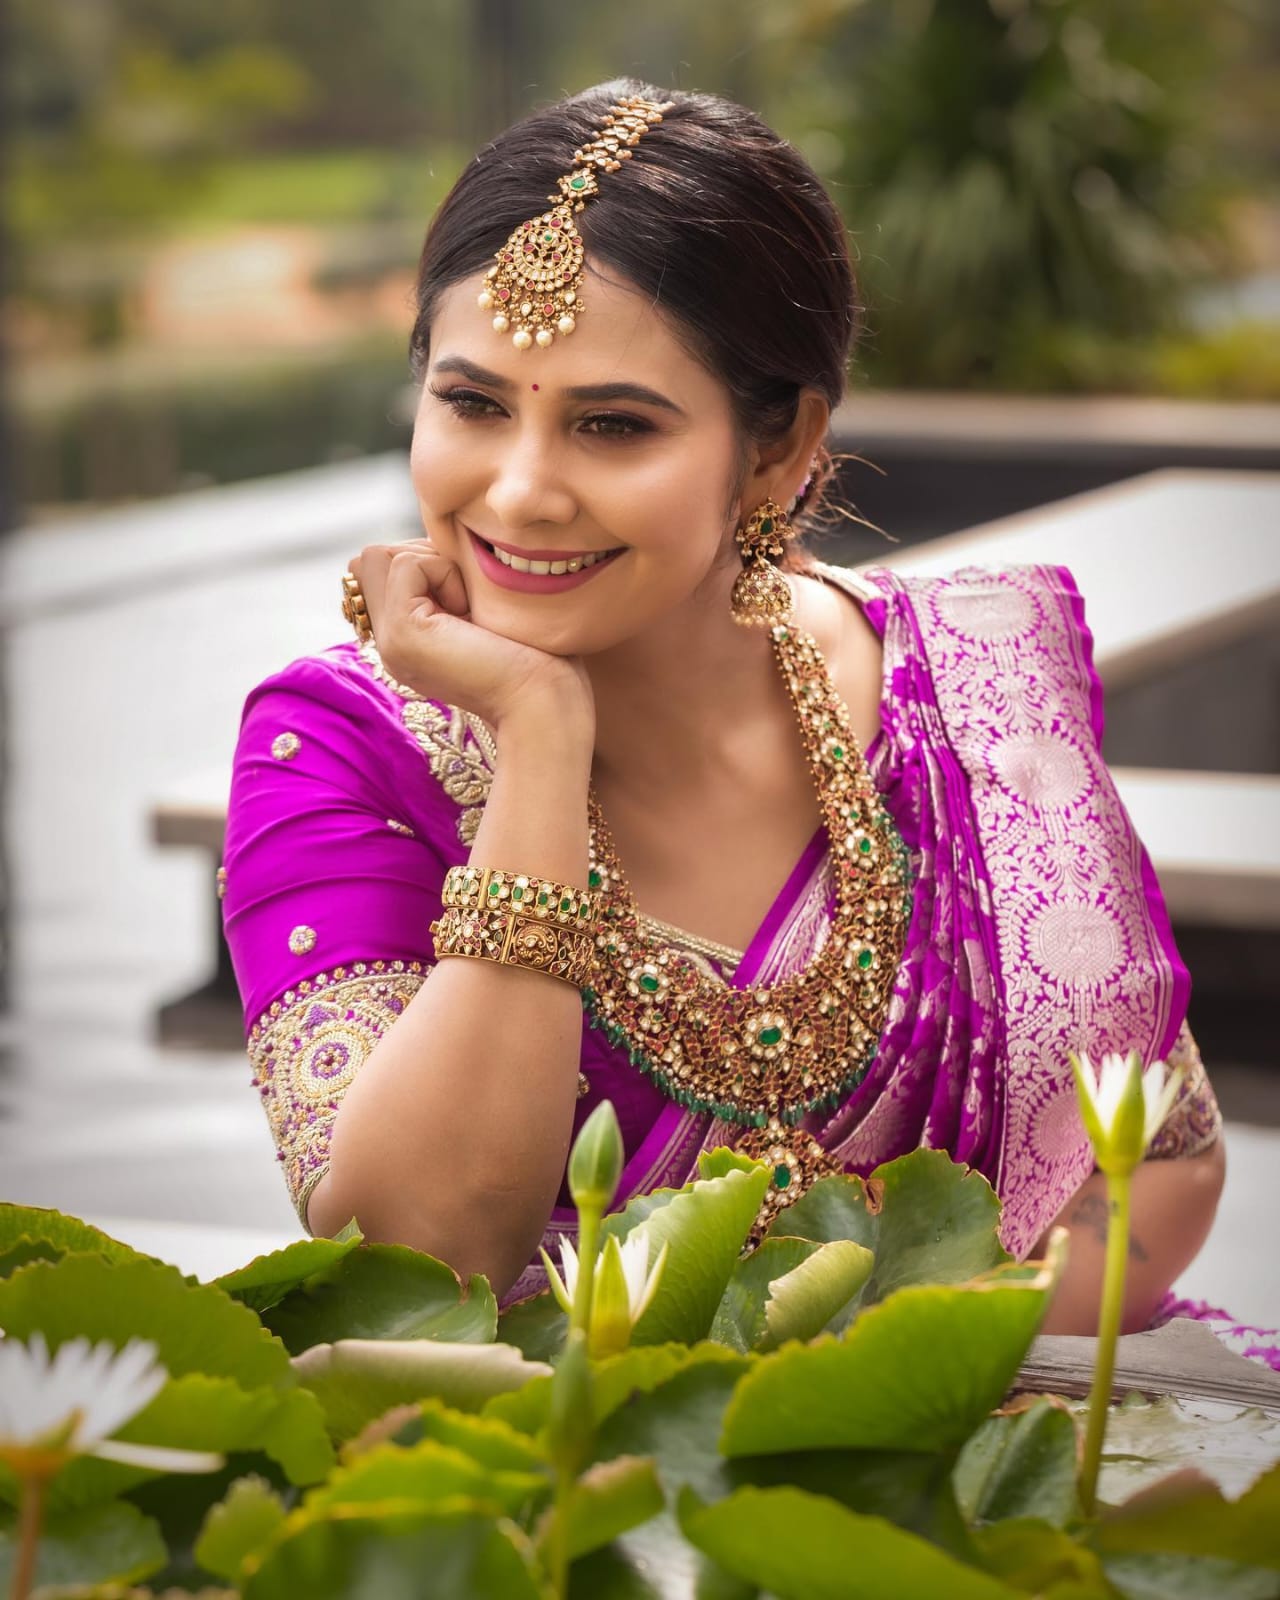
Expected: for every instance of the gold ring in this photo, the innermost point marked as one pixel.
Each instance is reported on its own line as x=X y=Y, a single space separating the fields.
x=354 y=608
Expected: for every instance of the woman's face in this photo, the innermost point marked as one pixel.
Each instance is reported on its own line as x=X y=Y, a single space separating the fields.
x=614 y=443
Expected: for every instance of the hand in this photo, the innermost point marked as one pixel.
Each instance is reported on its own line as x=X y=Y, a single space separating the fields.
x=421 y=624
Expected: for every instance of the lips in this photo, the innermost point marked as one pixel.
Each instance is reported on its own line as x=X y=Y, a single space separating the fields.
x=539 y=571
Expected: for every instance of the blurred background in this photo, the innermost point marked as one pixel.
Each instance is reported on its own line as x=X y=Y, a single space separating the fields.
x=1066 y=216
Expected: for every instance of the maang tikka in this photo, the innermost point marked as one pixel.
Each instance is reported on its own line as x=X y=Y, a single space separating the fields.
x=761 y=594
x=537 y=283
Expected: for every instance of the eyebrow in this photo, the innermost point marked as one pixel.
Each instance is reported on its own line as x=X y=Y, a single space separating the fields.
x=583 y=391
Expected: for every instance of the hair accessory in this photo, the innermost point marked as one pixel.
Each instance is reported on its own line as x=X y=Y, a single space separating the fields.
x=515 y=941
x=537 y=284
x=761 y=595
x=354 y=608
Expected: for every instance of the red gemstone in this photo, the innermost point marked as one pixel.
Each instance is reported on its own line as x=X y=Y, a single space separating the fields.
x=548 y=308
x=555 y=255
x=527 y=226
x=508 y=256
x=504 y=294
x=555 y=222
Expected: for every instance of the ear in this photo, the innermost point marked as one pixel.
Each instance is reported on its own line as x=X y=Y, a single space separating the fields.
x=777 y=470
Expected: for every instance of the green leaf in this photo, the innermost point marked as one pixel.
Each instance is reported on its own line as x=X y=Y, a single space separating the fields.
x=925 y=1218
x=384 y=1291
x=803 y=1547
x=428 y=1472
x=920 y=1371
x=537 y=1326
x=96 y=1544
x=739 y=1320
x=357 y=1380
x=605 y=1502
x=1021 y=1466
x=452 y=1552
x=613 y=1381
x=804 y=1301
x=705 y=1226
x=1040 y=1559
x=1147 y=1440
x=1149 y=1576
x=199 y=1413
x=22 y=1227
x=1191 y=1516
x=267 y=1279
x=196 y=1327
x=677 y=1424
x=715 y=1163
x=485 y=1439
x=913 y=1491
x=243 y=1523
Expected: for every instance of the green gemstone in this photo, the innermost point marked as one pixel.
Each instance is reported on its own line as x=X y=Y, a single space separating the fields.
x=495 y=889
x=837 y=752
x=865 y=958
x=594 y=880
x=566 y=904
x=517 y=893
x=544 y=898
x=649 y=983
x=767 y=525
x=782 y=1176
x=577 y=183
x=865 y=846
x=547 y=238
x=769 y=1035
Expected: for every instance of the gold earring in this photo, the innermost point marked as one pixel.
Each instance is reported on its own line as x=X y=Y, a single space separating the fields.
x=761 y=595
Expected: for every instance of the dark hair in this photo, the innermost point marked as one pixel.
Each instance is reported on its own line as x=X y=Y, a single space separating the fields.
x=717 y=220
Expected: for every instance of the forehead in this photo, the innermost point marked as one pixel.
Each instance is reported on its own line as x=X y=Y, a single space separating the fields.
x=620 y=336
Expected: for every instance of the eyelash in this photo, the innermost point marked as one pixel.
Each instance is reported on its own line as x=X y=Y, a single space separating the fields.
x=467 y=404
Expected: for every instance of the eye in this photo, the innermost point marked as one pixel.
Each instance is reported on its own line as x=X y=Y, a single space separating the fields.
x=467 y=402
x=614 y=425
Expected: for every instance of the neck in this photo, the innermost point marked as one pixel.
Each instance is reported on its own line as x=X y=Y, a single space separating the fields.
x=667 y=699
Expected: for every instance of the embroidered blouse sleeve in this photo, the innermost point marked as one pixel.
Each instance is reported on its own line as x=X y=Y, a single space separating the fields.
x=337 y=840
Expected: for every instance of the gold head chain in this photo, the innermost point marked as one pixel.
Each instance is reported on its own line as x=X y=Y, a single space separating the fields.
x=537 y=282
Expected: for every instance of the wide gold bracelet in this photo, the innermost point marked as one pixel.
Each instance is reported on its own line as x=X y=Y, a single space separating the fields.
x=516 y=940
x=489 y=889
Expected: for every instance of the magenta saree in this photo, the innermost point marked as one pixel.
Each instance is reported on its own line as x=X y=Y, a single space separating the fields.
x=1037 y=925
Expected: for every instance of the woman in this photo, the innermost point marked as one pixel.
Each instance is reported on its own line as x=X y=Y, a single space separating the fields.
x=629 y=357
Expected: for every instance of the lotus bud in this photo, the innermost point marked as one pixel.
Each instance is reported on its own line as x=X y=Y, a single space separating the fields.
x=595 y=1164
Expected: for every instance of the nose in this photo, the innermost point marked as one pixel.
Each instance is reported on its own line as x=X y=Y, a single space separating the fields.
x=529 y=484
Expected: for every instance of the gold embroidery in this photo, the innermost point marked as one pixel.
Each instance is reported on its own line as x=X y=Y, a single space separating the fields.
x=302 y=941
x=459 y=748
x=306 y=1049
x=285 y=746
x=1194 y=1122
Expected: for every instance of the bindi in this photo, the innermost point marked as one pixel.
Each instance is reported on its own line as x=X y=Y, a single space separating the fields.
x=534 y=387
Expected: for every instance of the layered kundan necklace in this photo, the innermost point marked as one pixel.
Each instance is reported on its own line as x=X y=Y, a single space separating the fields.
x=762 y=1058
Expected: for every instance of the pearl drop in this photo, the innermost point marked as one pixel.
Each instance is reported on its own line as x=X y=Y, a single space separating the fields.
x=569 y=297
x=545 y=336
x=522 y=338
x=527 y=307
x=484 y=300
x=500 y=324
x=566 y=324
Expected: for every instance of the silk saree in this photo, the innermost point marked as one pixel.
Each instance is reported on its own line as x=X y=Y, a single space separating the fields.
x=1037 y=924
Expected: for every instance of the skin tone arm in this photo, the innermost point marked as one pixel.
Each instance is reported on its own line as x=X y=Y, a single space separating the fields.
x=1173 y=1206
x=439 y=1143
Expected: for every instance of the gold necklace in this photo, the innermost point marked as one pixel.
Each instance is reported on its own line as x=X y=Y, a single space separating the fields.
x=763 y=1057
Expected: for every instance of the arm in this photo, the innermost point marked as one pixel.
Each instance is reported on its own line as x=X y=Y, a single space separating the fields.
x=453 y=1136
x=1173 y=1207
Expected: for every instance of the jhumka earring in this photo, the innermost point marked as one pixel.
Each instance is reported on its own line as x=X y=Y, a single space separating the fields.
x=761 y=595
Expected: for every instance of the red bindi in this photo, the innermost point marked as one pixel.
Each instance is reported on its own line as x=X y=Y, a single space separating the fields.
x=533 y=386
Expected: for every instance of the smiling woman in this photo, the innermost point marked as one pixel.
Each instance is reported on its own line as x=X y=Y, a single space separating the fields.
x=846 y=880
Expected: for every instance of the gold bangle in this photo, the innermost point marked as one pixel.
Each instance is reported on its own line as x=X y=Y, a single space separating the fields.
x=489 y=889
x=515 y=941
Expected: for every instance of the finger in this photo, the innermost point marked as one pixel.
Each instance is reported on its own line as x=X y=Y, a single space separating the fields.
x=370 y=569
x=443 y=575
x=408 y=594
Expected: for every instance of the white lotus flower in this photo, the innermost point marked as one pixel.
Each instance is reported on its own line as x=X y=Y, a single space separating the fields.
x=54 y=1409
x=623 y=1288
x=1123 y=1106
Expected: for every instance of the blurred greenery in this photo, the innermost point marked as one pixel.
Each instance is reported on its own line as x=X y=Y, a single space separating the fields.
x=1035 y=188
